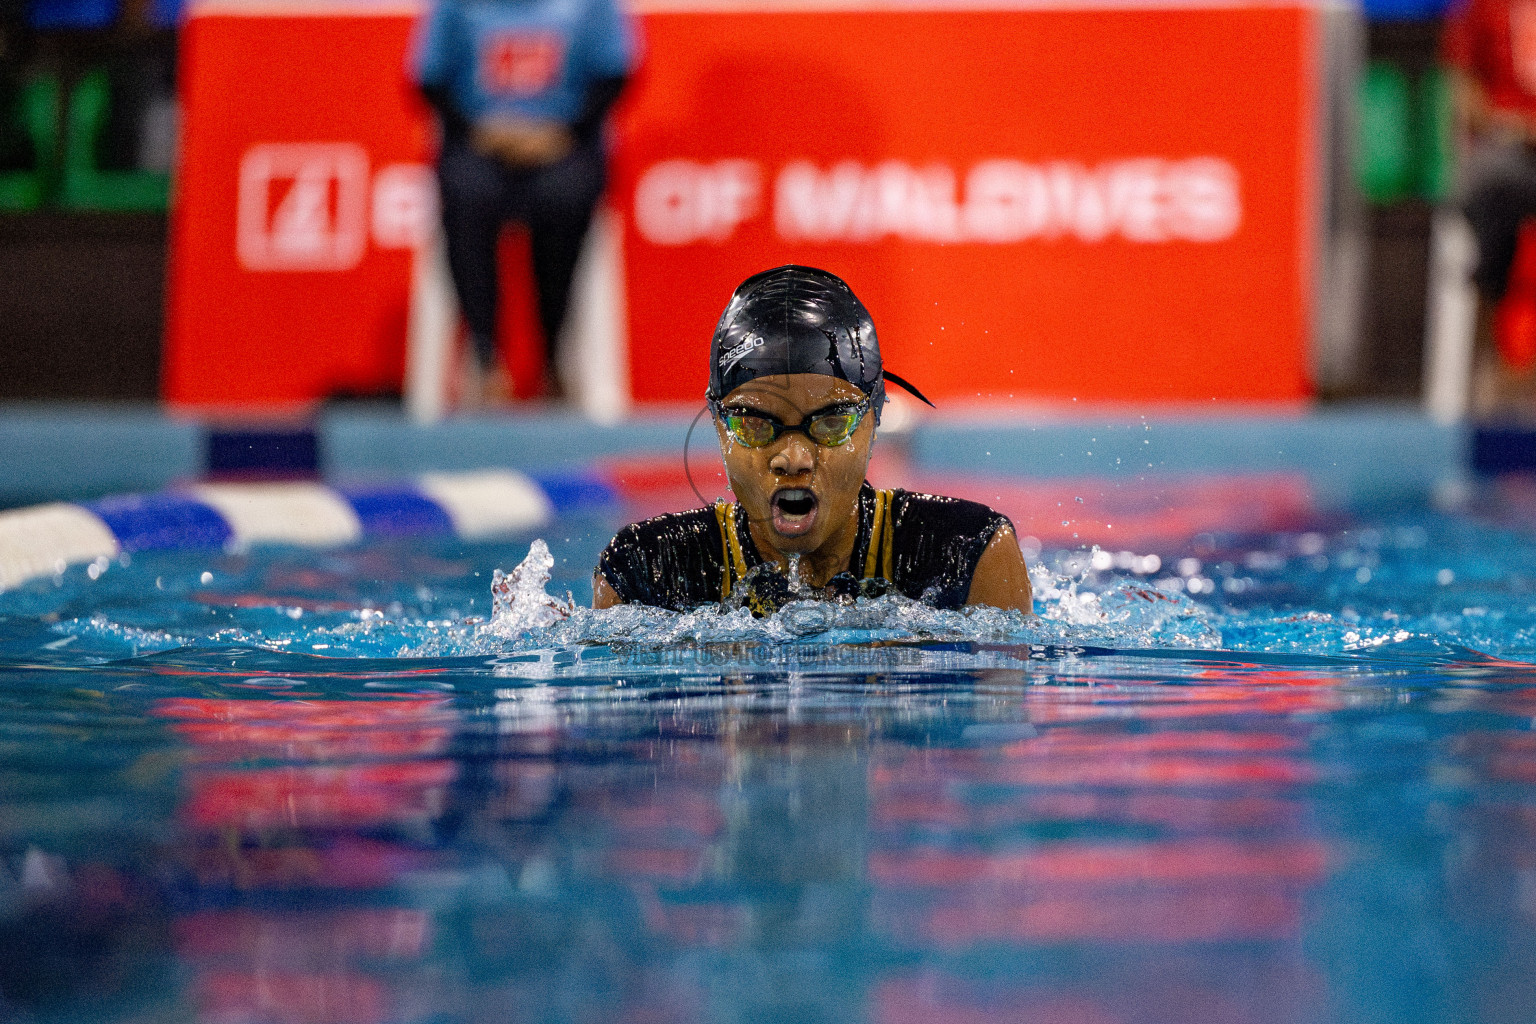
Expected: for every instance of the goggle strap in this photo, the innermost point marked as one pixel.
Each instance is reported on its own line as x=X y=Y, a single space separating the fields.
x=907 y=387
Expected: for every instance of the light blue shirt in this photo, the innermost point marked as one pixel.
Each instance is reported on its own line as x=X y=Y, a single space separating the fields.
x=532 y=58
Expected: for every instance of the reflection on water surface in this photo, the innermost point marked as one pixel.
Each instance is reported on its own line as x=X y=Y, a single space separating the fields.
x=242 y=801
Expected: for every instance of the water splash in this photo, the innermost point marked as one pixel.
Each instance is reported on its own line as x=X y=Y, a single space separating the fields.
x=796 y=584
x=1123 y=607
x=1287 y=594
x=526 y=617
x=519 y=600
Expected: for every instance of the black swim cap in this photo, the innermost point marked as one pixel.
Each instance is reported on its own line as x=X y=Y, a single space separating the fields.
x=797 y=320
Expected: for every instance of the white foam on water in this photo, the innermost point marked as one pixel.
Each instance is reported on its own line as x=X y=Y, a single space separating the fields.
x=525 y=617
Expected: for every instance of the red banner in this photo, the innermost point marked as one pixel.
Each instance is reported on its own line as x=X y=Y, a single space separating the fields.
x=1034 y=204
x=303 y=186
x=1095 y=204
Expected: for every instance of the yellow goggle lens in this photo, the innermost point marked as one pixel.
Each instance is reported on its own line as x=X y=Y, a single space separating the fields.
x=834 y=428
x=752 y=431
x=829 y=429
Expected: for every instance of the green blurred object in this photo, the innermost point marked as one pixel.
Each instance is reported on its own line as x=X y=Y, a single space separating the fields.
x=85 y=187
x=1385 y=170
x=36 y=114
x=1437 y=135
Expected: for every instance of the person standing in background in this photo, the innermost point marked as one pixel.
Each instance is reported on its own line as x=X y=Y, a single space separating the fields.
x=1490 y=46
x=521 y=88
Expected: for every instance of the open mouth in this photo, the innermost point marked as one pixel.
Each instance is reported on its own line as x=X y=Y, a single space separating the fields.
x=794 y=510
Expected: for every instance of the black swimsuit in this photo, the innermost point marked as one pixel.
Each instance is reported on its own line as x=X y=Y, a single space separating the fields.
x=925 y=544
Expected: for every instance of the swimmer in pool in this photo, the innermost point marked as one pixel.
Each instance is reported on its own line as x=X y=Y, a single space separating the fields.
x=796 y=387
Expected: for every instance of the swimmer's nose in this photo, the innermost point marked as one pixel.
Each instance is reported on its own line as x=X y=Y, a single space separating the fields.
x=795 y=457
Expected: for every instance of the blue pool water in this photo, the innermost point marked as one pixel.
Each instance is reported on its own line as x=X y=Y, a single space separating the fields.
x=1265 y=777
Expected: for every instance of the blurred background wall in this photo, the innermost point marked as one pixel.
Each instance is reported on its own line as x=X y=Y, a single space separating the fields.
x=1404 y=167
x=1329 y=127
x=88 y=116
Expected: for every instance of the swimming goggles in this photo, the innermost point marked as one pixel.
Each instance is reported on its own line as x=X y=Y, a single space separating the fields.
x=829 y=428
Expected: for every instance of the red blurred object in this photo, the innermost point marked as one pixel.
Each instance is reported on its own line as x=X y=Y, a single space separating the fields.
x=1167 y=891
x=1104 y=511
x=331 y=934
x=321 y=730
x=755 y=138
x=319 y=797
x=1165 y=861
x=1165 y=198
x=286 y=283
x=339 y=997
x=1139 y=514
x=1514 y=327
x=407 y=730
x=923 y=1001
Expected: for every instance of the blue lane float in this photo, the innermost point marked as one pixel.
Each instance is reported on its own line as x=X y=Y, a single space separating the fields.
x=46 y=539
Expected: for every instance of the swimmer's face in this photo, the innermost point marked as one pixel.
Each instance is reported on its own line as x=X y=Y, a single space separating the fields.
x=798 y=493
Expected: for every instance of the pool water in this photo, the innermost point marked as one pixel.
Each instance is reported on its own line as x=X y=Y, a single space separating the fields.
x=1261 y=777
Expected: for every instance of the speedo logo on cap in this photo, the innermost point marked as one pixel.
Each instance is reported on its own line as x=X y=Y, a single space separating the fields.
x=736 y=353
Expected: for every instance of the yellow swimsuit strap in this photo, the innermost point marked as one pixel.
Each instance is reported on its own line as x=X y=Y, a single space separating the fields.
x=878 y=559
x=730 y=548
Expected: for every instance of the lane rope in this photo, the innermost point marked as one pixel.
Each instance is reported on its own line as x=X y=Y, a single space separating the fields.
x=44 y=540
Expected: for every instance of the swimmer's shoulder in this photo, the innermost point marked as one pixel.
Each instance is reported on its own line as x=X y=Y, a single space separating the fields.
x=936 y=544
x=672 y=560
x=940 y=513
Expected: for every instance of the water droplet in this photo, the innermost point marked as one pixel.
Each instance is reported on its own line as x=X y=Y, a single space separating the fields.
x=796 y=584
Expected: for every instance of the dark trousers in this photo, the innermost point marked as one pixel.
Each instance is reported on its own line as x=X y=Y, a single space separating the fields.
x=480 y=195
x=1499 y=193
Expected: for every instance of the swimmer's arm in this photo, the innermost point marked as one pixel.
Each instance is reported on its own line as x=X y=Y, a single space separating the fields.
x=1001 y=578
x=603 y=595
